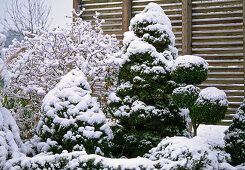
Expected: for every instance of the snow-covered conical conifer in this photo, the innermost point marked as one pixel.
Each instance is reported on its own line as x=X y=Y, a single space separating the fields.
x=72 y=119
x=141 y=104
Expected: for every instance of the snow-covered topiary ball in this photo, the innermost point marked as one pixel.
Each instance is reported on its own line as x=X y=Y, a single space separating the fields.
x=210 y=106
x=235 y=137
x=189 y=69
x=185 y=97
x=72 y=119
x=184 y=153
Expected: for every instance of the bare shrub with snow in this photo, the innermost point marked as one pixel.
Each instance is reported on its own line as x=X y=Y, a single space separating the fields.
x=72 y=119
x=51 y=54
x=10 y=143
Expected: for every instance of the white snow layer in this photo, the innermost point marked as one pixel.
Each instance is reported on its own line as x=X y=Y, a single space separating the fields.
x=190 y=60
x=73 y=93
x=152 y=13
x=213 y=94
x=11 y=145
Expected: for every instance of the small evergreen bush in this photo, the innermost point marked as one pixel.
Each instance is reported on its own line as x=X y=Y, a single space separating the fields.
x=185 y=97
x=210 y=106
x=189 y=69
x=184 y=153
x=235 y=137
x=72 y=119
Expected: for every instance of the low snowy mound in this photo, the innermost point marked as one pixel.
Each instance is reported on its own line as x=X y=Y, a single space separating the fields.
x=210 y=106
x=235 y=137
x=79 y=160
x=185 y=97
x=11 y=145
x=189 y=69
x=185 y=153
x=72 y=119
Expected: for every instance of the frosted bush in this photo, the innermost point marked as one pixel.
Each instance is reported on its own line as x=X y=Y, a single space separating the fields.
x=72 y=119
x=51 y=54
x=184 y=153
x=210 y=106
x=185 y=97
x=189 y=69
x=235 y=137
x=142 y=104
x=11 y=145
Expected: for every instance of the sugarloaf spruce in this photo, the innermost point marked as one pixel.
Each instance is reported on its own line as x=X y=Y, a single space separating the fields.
x=142 y=105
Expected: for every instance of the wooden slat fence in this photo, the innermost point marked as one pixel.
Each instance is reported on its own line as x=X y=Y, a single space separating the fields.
x=212 y=29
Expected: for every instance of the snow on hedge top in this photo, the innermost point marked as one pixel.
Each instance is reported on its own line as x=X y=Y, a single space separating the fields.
x=190 y=60
x=185 y=151
x=152 y=13
x=213 y=94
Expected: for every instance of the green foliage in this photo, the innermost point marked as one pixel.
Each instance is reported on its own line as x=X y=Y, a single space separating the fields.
x=23 y=108
x=158 y=38
x=207 y=111
x=235 y=137
x=72 y=119
x=140 y=140
x=190 y=70
x=185 y=97
x=142 y=104
x=184 y=154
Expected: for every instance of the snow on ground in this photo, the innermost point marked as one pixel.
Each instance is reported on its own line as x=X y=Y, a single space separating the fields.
x=213 y=134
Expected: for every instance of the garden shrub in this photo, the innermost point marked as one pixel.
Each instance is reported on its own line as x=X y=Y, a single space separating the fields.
x=141 y=104
x=185 y=97
x=51 y=54
x=72 y=119
x=235 y=137
x=184 y=153
x=189 y=69
x=11 y=145
x=209 y=108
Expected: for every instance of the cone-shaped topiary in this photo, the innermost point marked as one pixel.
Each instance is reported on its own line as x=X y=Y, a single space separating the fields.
x=189 y=69
x=142 y=104
x=72 y=119
x=235 y=137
